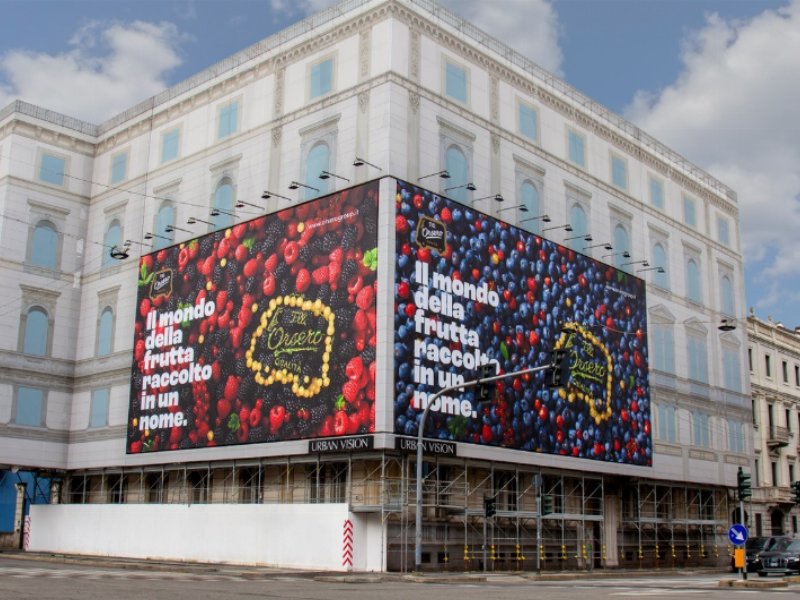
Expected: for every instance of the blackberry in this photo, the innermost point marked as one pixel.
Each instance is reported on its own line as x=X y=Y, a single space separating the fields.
x=285 y=285
x=247 y=386
x=281 y=270
x=339 y=300
x=345 y=315
x=257 y=434
x=232 y=269
x=240 y=367
x=306 y=254
x=318 y=414
x=232 y=287
x=368 y=355
x=346 y=349
x=206 y=245
x=329 y=242
x=349 y=237
x=216 y=275
x=304 y=428
x=185 y=443
x=251 y=285
x=191 y=271
x=371 y=226
x=275 y=228
x=324 y=293
x=349 y=269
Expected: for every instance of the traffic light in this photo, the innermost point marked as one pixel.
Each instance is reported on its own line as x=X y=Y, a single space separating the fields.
x=796 y=492
x=558 y=374
x=489 y=507
x=743 y=485
x=547 y=504
x=486 y=388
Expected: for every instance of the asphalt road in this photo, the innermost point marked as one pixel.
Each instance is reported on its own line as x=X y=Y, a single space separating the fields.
x=37 y=579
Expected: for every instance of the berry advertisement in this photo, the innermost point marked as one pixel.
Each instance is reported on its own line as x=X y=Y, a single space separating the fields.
x=471 y=290
x=261 y=332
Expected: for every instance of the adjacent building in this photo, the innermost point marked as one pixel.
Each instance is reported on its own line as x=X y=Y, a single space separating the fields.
x=774 y=360
x=381 y=91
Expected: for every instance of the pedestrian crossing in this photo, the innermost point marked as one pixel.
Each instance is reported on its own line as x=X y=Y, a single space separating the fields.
x=97 y=574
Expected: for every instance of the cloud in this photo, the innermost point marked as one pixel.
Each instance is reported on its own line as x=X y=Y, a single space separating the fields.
x=109 y=68
x=734 y=111
x=530 y=27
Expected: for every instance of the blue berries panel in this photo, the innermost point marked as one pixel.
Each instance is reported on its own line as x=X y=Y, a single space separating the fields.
x=474 y=290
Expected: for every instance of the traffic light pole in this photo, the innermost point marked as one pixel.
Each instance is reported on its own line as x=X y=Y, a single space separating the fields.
x=421 y=431
x=741 y=516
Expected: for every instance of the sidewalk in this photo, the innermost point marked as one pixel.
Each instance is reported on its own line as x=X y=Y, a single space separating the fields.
x=269 y=572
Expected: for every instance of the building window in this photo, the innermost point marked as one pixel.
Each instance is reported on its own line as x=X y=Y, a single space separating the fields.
x=224 y=202
x=689 y=214
x=228 y=119
x=700 y=430
x=576 y=143
x=456 y=164
x=529 y=196
x=456 y=80
x=164 y=218
x=666 y=424
x=663 y=347
x=579 y=222
x=726 y=295
x=52 y=169
x=321 y=78
x=750 y=359
x=693 y=281
x=657 y=193
x=785 y=369
x=119 y=167
x=723 y=229
x=730 y=369
x=44 y=245
x=735 y=436
x=112 y=238
x=105 y=332
x=768 y=365
x=697 y=357
x=796 y=374
x=528 y=121
x=774 y=468
x=98 y=409
x=317 y=161
x=37 y=332
x=169 y=144
x=788 y=414
x=619 y=172
x=621 y=244
x=30 y=407
x=660 y=260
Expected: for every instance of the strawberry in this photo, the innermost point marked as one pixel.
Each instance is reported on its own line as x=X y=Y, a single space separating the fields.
x=139 y=351
x=183 y=259
x=136 y=446
x=239 y=230
x=320 y=275
x=360 y=321
x=364 y=297
x=268 y=285
x=236 y=337
x=231 y=388
x=223 y=248
x=271 y=263
x=334 y=270
x=341 y=423
x=147 y=262
x=145 y=306
x=254 y=417
x=336 y=255
x=223 y=408
x=291 y=252
x=243 y=432
x=276 y=417
x=303 y=280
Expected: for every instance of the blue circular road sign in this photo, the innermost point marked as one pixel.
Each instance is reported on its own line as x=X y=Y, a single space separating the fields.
x=737 y=534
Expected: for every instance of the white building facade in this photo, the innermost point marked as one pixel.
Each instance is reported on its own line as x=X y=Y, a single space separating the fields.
x=410 y=89
x=774 y=362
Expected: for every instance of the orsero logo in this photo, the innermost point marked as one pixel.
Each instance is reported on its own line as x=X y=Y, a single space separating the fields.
x=161 y=284
x=432 y=234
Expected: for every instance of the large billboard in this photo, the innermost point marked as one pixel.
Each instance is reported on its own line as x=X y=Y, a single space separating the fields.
x=472 y=290
x=261 y=332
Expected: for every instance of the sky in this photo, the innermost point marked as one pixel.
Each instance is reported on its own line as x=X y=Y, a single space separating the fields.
x=717 y=81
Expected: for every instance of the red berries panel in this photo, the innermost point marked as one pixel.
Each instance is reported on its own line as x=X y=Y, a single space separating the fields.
x=261 y=332
x=472 y=290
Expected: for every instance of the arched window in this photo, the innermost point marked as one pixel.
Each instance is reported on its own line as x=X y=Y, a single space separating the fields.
x=693 y=281
x=317 y=161
x=105 y=332
x=660 y=260
x=697 y=357
x=223 y=200
x=580 y=226
x=621 y=244
x=44 y=245
x=456 y=165
x=37 y=329
x=112 y=238
x=726 y=295
x=165 y=217
x=529 y=197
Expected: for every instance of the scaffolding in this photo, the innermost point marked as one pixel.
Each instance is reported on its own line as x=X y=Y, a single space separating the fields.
x=598 y=521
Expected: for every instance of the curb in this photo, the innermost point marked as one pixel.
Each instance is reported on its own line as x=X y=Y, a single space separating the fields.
x=752 y=584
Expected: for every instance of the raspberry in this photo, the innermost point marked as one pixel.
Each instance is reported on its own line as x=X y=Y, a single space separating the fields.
x=350 y=391
x=320 y=275
x=303 y=280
